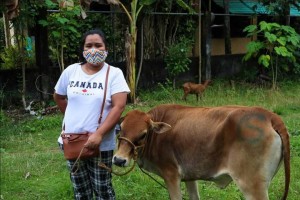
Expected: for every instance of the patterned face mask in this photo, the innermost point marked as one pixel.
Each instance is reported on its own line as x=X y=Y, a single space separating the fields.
x=95 y=56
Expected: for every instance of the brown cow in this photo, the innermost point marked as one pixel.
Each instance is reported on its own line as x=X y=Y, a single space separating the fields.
x=220 y=144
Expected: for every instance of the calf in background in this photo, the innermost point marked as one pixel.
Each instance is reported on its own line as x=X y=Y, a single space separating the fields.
x=193 y=88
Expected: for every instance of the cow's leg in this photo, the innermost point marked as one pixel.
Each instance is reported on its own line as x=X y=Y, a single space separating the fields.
x=253 y=190
x=173 y=186
x=192 y=189
x=254 y=178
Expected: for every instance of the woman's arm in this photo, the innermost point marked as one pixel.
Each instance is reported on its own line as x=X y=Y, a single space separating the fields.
x=61 y=101
x=118 y=106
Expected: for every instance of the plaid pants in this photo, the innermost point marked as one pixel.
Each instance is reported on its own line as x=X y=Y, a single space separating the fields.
x=90 y=179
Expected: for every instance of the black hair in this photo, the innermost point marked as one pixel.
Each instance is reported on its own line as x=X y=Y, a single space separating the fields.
x=83 y=38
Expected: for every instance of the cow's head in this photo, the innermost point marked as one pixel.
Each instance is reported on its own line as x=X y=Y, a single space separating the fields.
x=134 y=128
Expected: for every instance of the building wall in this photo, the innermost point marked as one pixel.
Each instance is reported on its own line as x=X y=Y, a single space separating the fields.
x=238 y=46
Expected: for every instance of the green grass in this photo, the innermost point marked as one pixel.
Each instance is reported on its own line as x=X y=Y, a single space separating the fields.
x=32 y=166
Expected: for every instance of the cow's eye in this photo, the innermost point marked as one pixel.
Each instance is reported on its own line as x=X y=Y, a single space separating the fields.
x=142 y=136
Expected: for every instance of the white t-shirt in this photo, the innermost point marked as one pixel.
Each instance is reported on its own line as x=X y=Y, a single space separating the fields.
x=85 y=96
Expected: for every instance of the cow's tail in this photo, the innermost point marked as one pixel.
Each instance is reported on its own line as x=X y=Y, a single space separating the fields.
x=280 y=128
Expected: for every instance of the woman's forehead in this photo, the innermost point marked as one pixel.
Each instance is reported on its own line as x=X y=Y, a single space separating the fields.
x=95 y=38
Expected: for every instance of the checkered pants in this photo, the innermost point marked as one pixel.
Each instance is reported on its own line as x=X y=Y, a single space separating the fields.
x=90 y=179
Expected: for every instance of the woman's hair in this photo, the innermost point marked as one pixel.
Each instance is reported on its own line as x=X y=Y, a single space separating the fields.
x=83 y=38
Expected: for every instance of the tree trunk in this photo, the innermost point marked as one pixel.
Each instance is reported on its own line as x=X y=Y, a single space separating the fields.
x=287 y=13
x=227 y=28
x=141 y=56
x=208 y=45
x=131 y=75
x=200 y=41
x=42 y=52
x=6 y=30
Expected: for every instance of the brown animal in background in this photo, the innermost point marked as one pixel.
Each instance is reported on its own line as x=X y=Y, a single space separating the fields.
x=193 y=88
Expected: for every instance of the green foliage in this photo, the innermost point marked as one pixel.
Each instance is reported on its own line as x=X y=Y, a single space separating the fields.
x=185 y=6
x=276 y=46
x=13 y=58
x=278 y=7
x=164 y=92
x=10 y=58
x=63 y=29
x=177 y=58
x=23 y=49
x=146 y=2
x=67 y=26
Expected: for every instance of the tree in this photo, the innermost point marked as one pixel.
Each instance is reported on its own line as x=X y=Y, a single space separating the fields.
x=61 y=24
x=280 y=9
x=177 y=59
x=20 y=55
x=277 y=44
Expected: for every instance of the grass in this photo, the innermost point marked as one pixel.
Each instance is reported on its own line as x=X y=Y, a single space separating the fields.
x=32 y=166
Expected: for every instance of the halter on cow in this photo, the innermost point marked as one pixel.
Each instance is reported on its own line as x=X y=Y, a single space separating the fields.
x=221 y=144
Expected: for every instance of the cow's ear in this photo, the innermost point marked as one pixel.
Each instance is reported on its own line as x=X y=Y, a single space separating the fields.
x=160 y=127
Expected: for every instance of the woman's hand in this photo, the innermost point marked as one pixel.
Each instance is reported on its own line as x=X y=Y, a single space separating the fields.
x=93 y=141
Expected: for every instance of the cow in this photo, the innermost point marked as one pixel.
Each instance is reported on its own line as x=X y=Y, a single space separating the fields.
x=219 y=144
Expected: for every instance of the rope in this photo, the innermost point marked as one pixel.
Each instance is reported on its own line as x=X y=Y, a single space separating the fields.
x=77 y=161
x=152 y=177
x=135 y=154
x=102 y=165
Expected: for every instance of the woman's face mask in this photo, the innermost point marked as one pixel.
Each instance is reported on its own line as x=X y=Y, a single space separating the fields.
x=95 y=56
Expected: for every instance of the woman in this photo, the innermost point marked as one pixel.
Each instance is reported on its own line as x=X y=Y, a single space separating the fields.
x=79 y=93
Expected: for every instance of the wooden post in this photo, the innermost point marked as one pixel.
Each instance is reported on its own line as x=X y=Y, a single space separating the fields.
x=200 y=42
x=227 y=28
x=42 y=55
x=208 y=45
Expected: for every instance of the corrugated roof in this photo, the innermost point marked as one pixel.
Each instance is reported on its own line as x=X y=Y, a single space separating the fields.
x=250 y=7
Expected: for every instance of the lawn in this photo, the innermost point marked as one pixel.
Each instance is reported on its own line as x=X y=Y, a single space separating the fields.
x=32 y=166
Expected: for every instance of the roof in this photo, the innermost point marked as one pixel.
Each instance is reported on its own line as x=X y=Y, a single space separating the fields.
x=250 y=7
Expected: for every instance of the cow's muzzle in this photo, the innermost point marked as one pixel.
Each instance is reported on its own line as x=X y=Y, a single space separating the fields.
x=123 y=162
x=119 y=161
